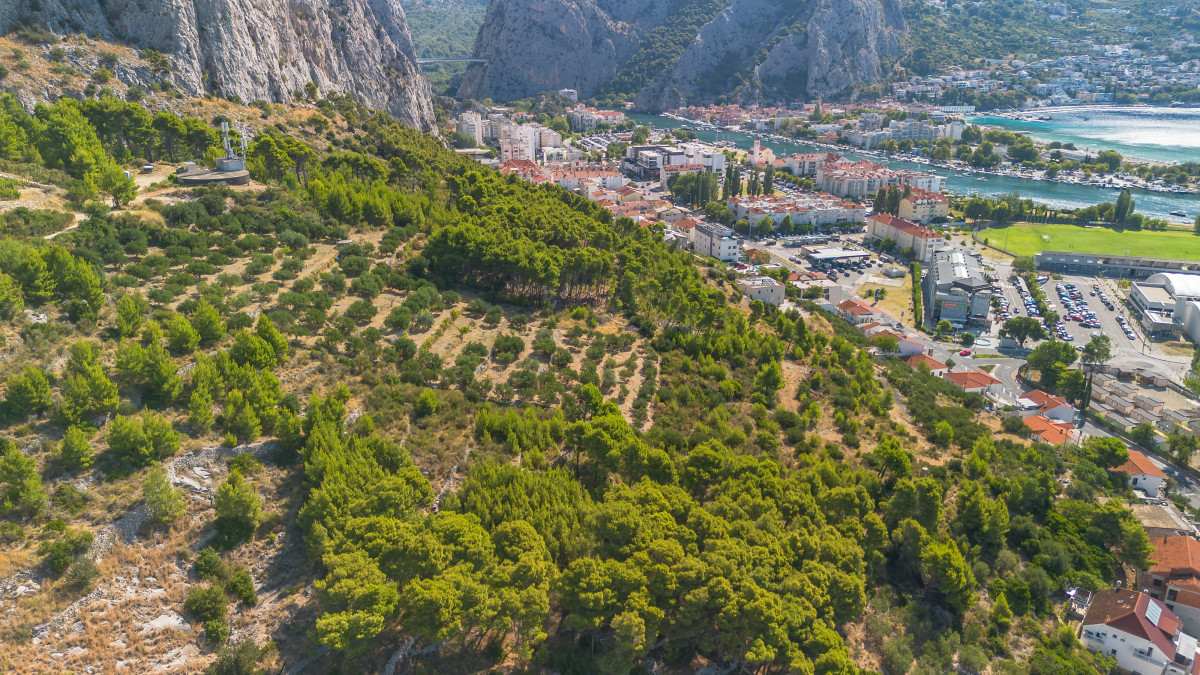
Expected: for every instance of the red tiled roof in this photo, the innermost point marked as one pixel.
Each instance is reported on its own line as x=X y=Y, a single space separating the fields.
x=905 y=226
x=1125 y=610
x=1138 y=464
x=917 y=359
x=855 y=307
x=1046 y=401
x=972 y=379
x=1178 y=553
x=1048 y=430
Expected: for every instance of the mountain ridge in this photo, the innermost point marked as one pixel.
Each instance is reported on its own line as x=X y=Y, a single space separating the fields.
x=252 y=51
x=695 y=51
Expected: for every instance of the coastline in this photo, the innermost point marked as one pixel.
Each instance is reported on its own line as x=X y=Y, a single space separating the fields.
x=958 y=165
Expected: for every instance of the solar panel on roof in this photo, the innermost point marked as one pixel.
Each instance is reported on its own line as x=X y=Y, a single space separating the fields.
x=1154 y=612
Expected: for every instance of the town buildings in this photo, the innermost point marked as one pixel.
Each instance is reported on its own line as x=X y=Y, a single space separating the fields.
x=659 y=162
x=814 y=209
x=955 y=288
x=922 y=241
x=587 y=119
x=923 y=206
x=1139 y=632
x=860 y=179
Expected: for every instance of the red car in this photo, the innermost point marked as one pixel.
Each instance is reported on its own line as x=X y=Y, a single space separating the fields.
x=965 y=352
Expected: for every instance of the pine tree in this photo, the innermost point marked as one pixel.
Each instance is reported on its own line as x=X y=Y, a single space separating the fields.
x=207 y=322
x=76 y=450
x=163 y=501
x=200 y=411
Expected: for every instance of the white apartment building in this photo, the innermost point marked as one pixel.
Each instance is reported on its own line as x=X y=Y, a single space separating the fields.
x=471 y=124
x=716 y=241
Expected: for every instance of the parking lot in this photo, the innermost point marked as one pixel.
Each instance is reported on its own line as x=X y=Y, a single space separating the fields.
x=1087 y=302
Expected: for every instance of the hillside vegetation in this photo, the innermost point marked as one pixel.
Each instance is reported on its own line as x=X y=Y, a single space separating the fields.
x=387 y=404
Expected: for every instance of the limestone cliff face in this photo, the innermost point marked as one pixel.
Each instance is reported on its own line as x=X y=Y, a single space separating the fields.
x=753 y=49
x=540 y=45
x=259 y=50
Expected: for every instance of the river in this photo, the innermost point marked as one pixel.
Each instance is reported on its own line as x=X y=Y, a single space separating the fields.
x=1055 y=195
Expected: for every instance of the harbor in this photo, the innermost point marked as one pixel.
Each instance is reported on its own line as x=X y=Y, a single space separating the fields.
x=962 y=179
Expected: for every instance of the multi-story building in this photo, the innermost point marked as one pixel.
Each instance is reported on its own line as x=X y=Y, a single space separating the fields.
x=586 y=119
x=956 y=288
x=922 y=206
x=1139 y=632
x=764 y=289
x=807 y=163
x=716 y=241
x=923 y=241
x=472 y=124
x=815 y=209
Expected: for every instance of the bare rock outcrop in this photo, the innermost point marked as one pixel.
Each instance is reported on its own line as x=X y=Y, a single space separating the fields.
x=751 y=49
x=539 y=45
x=258 y=50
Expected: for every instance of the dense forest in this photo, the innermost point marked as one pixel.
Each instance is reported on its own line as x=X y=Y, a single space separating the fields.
x=507 y=430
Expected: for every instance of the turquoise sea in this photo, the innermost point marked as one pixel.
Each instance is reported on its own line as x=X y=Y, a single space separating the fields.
x=1056 y=195
x=1159 y=134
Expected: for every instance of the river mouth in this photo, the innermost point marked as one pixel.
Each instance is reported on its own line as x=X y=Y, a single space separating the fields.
x=1052 y=194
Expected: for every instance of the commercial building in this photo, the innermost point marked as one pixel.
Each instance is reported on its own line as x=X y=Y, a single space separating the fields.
x=1096 y=264
x=716 y=241
x=1170 y=304
x=923 y=241
x=955 y=288
x=1139 y=632
x=922 y=206
x=834 y=255
x=764 y=289
x=1174 y=578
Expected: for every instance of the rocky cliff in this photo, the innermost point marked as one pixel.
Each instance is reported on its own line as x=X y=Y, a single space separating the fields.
x=752 y=49
x=258 y=50
x=539 y=45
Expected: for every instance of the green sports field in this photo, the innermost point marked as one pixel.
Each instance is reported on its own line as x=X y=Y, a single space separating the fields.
x=1027 y=239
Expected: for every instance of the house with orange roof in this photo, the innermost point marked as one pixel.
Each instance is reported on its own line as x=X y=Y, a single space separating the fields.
x=1053 y=432
x=1038 y=402
x=1142 y=473
x=973 y=381
x=1174 y=577
x=936 y=367
x=857 y=313
x=905 y=346
x=1141 y=633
